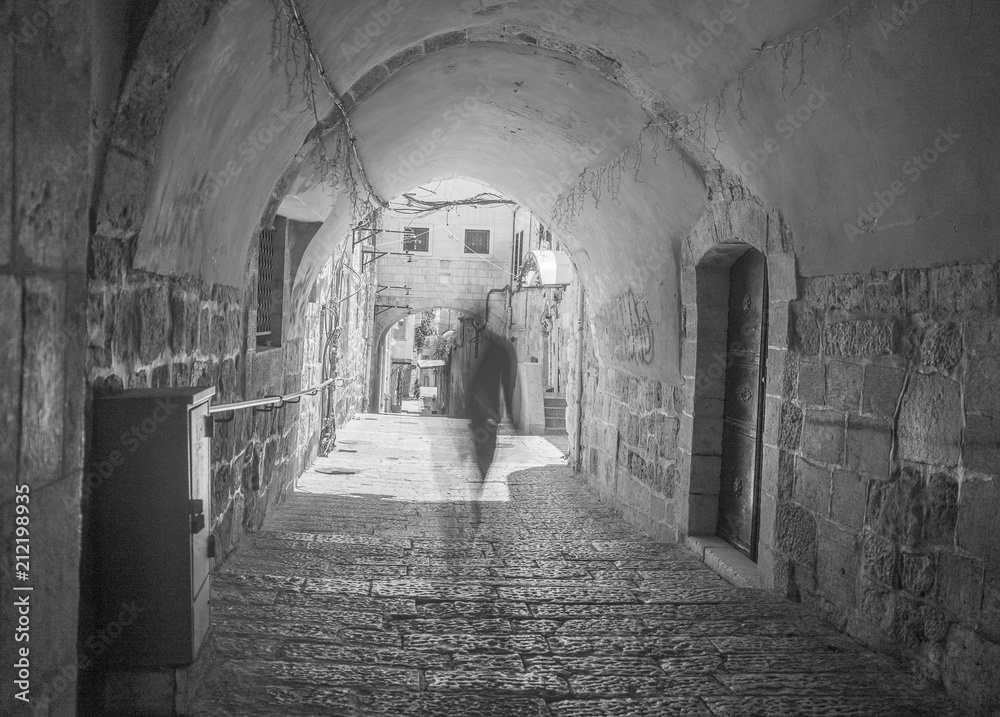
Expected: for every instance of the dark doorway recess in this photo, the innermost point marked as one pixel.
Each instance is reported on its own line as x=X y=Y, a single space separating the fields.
x=739 y=490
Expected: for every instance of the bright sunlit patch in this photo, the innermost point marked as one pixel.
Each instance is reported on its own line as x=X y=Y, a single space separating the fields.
x=424 y=459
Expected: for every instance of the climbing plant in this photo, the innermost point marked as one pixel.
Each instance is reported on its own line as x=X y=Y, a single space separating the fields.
x=443 y=346
x=292 y=46
x=425 y=331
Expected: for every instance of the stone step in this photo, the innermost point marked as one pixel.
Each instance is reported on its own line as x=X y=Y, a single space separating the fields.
x=555 y=411
x=555 y=423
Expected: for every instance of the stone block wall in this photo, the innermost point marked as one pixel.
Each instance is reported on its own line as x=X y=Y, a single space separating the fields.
x=881 y=444
x=452 y=283
x=354 y=347
x=652 y=450
x=147 y=330
x=47 y=74
x=888 y=461
x=629 y=452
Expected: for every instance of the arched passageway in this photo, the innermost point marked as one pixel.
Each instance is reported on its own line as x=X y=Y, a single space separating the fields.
x=851 y=144
x=432 y=346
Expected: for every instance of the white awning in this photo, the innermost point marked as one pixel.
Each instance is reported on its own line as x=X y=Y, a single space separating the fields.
x=546 y=268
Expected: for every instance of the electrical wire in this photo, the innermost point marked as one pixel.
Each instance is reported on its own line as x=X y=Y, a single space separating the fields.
x=420 y=207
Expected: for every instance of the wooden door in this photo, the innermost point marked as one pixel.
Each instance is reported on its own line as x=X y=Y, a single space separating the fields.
x=739 y=494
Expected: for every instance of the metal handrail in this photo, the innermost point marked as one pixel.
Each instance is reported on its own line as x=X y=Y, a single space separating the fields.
x=272 y=401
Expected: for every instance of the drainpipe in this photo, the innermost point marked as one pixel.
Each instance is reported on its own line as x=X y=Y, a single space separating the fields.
x=579 y=383
x=514 y=257
x=490 y=293
x=513 y=242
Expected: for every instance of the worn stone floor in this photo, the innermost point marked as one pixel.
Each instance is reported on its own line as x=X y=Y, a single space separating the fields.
x=395 y=583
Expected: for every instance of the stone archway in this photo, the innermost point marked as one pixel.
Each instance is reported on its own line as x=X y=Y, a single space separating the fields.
x=384 y=324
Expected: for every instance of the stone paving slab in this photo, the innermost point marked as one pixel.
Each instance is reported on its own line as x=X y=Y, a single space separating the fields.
x=650 y=707
x=823 y=706
x=240 y=674
x=593 y=665
x=287 y=630
x=392 y=585
x=222 y=592
x=303 y=566
x=631 y=645
x=497 y=682
x=752 y=627
x=464 y=643
x=470 y=626
x=452 y=705
x=497 y=608
x=269 y=614
x=282 y=700
x=605 y=686
x=339 y=601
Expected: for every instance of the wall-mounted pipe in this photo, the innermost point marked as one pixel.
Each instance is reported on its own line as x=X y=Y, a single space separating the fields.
x=513 y=244
x=490 y=293
x=272 y=401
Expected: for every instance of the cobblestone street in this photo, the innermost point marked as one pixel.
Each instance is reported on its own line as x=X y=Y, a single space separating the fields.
x=395 y=583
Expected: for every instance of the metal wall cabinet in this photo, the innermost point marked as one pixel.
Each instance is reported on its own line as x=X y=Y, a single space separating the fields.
x=153 y=511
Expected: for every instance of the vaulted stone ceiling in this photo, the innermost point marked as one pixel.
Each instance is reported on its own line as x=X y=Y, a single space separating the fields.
x=871 y=130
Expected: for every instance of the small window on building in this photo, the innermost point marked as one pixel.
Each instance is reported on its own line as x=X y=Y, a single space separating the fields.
x=544 y=237
x=477 y=241
x=417 y=239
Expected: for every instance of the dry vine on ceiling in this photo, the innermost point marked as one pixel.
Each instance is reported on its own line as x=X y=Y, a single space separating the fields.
x=293 y=47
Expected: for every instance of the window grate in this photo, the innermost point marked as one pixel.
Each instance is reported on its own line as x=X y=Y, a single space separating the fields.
x=265 y=280
x=477 y=241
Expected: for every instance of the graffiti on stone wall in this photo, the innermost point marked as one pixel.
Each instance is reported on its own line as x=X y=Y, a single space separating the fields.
x=630 y=329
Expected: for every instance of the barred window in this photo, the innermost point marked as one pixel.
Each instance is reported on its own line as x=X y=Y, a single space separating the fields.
x=477 y=241
x=417 y=239
x=265 y=280
x=270 y=283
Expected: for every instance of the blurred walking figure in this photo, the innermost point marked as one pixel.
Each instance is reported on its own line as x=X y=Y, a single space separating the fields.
x=493 y=373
